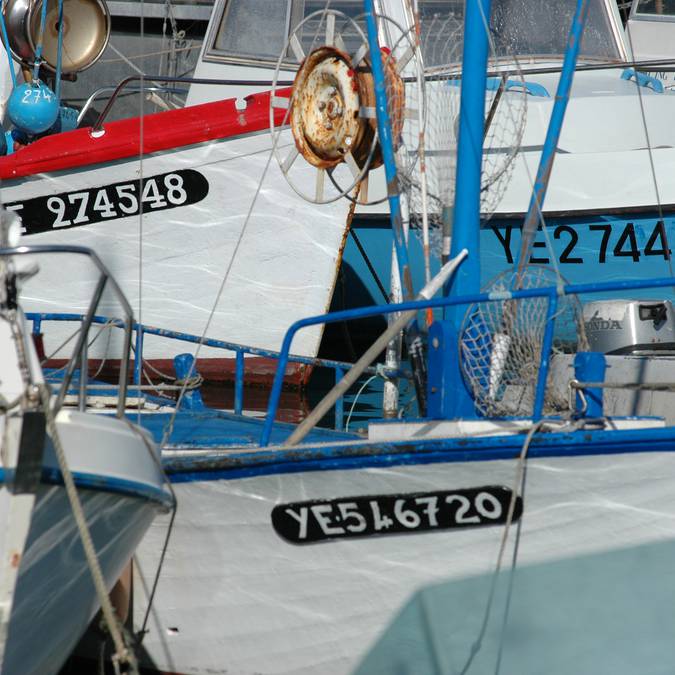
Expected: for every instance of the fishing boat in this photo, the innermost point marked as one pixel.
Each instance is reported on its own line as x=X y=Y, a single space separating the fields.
x=79 y=490
x=190 y=173
x=79 y=186
x=294 y=545
x=617 y=125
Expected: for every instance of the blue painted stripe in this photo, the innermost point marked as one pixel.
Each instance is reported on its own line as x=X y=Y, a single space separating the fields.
x=90 y=481
x=351 y=457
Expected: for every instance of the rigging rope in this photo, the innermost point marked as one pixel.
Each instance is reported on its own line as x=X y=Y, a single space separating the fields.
x=8 y=51
x=518 y=484
x=59 y=52
x=38 y=49
x=141 y=211
x=140 y=634
x=168 y=430
x=369 y=265
x=123 y=654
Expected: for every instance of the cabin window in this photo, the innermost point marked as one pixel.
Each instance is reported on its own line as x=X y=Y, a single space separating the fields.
x=255 y=31
x=532 y=28
x=656 y=8
x=252 y=29
x=314 y=30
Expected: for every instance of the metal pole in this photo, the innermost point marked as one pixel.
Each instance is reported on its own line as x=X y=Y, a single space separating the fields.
x=392 y=358
x=387 y=148
x=413 y=337
x=552 y=137
x=239 y=383
x=466 y=213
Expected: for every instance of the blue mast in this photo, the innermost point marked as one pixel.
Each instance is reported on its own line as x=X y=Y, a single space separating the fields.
x=387 y=148
x=412 y=334
x=448 y=395
x=466 y=217
x=562 y=96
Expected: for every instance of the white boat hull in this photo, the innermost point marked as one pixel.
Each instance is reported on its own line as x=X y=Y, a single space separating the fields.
x=234 y=597
x=192 y=252
x=54 y=599
x=47 y=587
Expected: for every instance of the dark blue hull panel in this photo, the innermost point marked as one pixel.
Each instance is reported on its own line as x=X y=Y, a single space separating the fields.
x=586 y=247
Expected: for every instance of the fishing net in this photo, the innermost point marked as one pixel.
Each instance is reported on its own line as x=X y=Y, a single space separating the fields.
x=441 y=45
x=500 y=344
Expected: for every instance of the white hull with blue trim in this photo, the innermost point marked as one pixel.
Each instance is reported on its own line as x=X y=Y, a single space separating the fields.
x=282 y=263
x=603 y=212
x=54 y=599
x=78 y=490
x=610 y=226
x=308 y=548
x=290 y=558
x=236 y=596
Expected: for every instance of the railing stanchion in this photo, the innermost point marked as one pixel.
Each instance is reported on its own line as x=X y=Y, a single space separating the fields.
x=340 y=403
x=138 y=361
x=544 y=362
x=84 y=374
x=239 y=383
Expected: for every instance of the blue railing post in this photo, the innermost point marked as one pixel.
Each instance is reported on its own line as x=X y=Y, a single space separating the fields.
x=184 y=365
x=239 y=382
x=590 y=367
x=340 y=403
x=138 y=360
x=545 y=360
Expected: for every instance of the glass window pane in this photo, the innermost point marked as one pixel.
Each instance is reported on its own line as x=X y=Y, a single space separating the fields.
x=313 y=32
x=656 y=7
x=519 y=27
x=253 y=28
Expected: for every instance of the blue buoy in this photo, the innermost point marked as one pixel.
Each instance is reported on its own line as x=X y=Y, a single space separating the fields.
x=184 y=365
x=33 y=107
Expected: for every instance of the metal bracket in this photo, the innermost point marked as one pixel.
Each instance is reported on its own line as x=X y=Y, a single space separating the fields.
x=31 y=450
x=643 y=80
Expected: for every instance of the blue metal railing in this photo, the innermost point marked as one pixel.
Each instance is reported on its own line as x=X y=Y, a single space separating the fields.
x=80 y=351
x=141 y=330
x=550 y=293
x=284 y=357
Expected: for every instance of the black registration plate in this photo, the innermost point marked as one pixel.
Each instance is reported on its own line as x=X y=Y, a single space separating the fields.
x=311 y=521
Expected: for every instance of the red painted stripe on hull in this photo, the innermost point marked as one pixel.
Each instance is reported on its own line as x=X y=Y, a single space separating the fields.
x=168 y=130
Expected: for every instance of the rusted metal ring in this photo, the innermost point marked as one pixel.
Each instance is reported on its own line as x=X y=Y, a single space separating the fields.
x=325 y=118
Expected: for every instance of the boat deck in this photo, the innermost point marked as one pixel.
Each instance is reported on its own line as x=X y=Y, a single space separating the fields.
x=210 y=429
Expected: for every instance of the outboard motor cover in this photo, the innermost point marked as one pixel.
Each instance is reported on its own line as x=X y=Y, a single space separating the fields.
x=630 y=326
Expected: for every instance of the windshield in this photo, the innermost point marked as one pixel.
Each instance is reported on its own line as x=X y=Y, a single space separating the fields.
x=258 y=29
x=656 y=7
x=525 y=28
